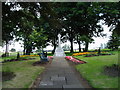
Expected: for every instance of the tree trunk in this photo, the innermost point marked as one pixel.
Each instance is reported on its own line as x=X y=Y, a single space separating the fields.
x=86 y=46
x=79 y=46
x=71 y=42
x=24 y=50
x=28 y=49
x=54 y=44
x=78 y=41
x=6 y=51
x=53 y=51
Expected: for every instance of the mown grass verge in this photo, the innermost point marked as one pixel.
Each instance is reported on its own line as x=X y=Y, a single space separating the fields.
x=25 y=73
x=94 y=68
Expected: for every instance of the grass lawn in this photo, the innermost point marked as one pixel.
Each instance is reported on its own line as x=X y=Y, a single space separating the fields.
x=6 y=58
x=93 y=70
x=1 y=53
x=10 y=57
x=25 y=73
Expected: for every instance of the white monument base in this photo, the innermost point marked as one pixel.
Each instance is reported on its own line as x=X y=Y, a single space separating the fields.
x=59 y=52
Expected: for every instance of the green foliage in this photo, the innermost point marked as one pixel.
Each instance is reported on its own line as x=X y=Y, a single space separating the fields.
x=13 y=50
x=66 y=47
x=38 y=24
x=114 y=42
x=7 y=24
x=85 y=17
x=106 y=49
x=38 y=38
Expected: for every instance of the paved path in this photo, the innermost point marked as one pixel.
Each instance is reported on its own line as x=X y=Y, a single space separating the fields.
x=60 y=75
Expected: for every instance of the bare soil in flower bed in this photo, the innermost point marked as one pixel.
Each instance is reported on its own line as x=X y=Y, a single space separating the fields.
x=42 y=63
x=7 y=76
x=39 y=63
x=113 y=71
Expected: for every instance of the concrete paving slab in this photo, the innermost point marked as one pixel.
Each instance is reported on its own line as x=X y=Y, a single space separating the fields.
x=59 y=75
x=51 y=86
x=46 y=83
x=72 y=86
x=59 y=82
x=58 y=78
x=54 y=76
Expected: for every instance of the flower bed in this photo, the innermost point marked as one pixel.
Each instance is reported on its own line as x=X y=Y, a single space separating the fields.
x=74 y=60
x=82 y=53
x=113 y=71
x=91 y=53
x=50 y=57
x=28 y=55
x=11 y=60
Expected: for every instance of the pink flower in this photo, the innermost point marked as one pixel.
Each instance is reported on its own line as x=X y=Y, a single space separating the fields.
x=74 y=60
x=50 y=57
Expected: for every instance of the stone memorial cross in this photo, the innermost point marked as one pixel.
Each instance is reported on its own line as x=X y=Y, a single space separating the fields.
x=59 y=52
x=59 y=40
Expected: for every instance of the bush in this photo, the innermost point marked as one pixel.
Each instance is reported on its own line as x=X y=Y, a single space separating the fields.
x=13 y=50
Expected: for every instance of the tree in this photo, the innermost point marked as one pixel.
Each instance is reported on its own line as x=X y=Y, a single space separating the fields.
x=27 y=21
x=79 y=41
x=87 y=23
x=38 y=39
x=13 y=50
x=65 y=16
x=114 y=42
x=29 y=17
x=85 y=18
x=38 y=24
x=7 y=25
x=111 y=16
x=51 y=24
x=66 y=47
